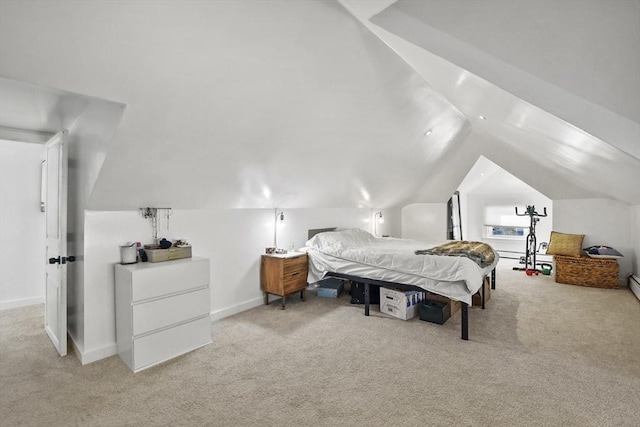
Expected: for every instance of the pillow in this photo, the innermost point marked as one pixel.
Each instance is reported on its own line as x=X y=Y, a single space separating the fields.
x=602 y=252
x=341 y=239
x=565 y=244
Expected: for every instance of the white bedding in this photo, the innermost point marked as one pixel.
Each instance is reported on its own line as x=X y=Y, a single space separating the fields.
x=358 y=253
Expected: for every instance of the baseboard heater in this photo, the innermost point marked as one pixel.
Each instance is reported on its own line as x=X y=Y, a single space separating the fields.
x=634 y=285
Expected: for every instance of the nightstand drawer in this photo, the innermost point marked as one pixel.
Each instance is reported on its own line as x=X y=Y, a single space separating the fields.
x=293 y=265
x=294 y=283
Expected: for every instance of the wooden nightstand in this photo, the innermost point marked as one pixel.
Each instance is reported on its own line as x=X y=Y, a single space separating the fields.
x=284 y=275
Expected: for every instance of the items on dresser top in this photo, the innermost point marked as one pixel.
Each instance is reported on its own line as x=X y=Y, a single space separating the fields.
x=128 y=253
x=166 y=251
x=274 y=250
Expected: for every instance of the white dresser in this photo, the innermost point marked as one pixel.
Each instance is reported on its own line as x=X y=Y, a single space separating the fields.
x=162 y=310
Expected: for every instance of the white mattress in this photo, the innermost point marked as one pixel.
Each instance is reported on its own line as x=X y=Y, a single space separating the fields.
x=358 y=253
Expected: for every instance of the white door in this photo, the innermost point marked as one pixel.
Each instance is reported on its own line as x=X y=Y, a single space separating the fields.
x=55 y=308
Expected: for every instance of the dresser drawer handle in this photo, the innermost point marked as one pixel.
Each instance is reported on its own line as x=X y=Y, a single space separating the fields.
x=295 y=274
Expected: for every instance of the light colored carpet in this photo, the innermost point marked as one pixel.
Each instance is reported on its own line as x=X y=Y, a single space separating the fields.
x=541 y=353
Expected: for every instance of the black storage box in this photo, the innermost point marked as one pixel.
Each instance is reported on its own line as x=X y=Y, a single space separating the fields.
x=357 y=293
x=434 y=312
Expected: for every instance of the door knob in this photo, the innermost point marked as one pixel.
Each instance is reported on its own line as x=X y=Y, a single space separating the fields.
x=62 y=260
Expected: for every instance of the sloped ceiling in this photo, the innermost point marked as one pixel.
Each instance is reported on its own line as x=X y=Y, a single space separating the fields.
x=297 y=104
x=577 y=59
x=487 y=178
x=555 y=155
x=237 y=104
x=31 y=107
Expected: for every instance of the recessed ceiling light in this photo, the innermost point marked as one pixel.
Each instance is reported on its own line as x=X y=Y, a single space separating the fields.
x=482 y=117
x=427 y=133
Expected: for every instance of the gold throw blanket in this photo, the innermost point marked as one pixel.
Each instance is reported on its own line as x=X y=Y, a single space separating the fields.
x=479 y=252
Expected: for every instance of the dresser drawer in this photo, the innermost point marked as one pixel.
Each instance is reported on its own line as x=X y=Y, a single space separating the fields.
x=155 y=348
x=170 y=277
x=165 y=312
x=296 y=264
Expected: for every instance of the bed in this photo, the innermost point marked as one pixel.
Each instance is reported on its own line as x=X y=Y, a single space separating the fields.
x=357 y=255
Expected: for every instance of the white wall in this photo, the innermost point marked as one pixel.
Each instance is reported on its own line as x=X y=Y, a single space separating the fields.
x=475 y=208
x=233 y=239
x=391 y=225
x=425 y=221
x=428 y=221
x=283 y=98
x=603 y=222
x=90 y=136
x=22 y=225
x=635 y=239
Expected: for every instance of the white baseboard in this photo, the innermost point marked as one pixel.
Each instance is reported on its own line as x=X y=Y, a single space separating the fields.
x=16 y=303
x=90 y=356
x=99 y=353
x=634 y=285
x=86 y=357
x=74 y=347
x=229 y=311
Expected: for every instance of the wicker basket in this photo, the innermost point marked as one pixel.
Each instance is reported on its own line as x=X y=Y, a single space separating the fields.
x=587 y=271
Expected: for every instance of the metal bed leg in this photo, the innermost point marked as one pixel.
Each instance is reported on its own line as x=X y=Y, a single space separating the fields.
x=367 y=299
x=465 y=321
x=493 y=278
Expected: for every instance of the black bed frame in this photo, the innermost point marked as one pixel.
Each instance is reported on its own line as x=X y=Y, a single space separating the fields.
x=367 y=294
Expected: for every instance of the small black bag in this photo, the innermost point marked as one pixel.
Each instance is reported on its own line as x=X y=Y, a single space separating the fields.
x=357 y=293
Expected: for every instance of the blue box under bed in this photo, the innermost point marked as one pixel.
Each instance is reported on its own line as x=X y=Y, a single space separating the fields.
x=330 y=288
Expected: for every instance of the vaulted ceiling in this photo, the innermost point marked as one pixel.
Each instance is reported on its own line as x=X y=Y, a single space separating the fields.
x=327 y=104
x=557 y=83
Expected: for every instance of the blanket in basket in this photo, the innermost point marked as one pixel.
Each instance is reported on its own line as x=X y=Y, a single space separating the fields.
x=479 y=252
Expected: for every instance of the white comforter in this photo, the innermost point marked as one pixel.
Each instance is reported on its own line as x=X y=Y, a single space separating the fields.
x=358 y=253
